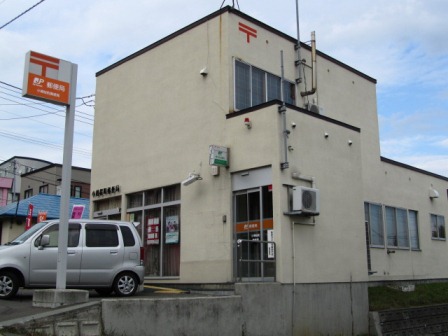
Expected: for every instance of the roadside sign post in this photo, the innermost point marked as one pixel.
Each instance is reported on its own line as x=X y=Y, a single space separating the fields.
x=54 y=81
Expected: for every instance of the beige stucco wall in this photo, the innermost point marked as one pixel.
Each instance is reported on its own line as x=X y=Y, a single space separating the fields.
x=11 y=230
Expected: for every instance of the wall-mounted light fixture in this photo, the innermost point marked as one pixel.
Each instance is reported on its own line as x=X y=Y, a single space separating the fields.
x=433 y=193
x=193 y=177
x=248 y=123
x=204 y=72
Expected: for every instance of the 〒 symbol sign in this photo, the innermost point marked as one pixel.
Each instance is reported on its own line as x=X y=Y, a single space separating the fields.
x=248 y=30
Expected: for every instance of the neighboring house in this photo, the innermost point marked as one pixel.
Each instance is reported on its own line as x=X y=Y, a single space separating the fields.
x=13 y=216
x=5 y=187
x=233 y=184
x=47 y=180
x=12 y=170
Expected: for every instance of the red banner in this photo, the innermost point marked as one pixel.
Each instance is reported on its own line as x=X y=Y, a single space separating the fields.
x=29 y=217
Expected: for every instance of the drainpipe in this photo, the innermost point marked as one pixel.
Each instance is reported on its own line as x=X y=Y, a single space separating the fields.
x=282 y=110
x=313 y=67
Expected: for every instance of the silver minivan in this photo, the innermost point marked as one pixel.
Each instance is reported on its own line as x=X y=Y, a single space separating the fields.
x=103 y=255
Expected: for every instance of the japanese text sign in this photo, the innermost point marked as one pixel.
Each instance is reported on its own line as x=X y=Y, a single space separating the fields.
x=47 y=78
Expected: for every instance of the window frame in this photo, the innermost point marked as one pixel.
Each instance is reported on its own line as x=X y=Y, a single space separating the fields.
x=28 y=193
x=413 y=233
x=396 y=229
x=245 y=92
x=437 y=220
x=367 y=212
x=44 y=189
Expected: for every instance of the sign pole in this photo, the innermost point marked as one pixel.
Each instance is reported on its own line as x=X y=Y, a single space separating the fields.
x=61 y=277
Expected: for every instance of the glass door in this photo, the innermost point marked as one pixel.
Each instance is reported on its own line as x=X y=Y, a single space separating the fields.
x=252 y=220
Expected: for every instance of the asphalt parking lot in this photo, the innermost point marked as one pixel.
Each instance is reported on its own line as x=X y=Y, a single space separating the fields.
x=22 y=304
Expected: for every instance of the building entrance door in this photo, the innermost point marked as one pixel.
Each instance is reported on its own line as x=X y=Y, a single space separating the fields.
x=253 y=224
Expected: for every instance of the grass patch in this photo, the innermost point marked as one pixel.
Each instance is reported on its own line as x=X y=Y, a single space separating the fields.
x=386 y=297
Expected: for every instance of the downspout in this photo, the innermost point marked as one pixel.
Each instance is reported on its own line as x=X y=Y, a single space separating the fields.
x=282 y=110
x=313 y=67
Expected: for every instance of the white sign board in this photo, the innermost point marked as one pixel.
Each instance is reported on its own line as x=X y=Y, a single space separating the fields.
x=219 y=156
x=271 y=246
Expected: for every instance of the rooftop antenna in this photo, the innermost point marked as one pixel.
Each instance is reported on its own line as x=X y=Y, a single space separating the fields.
x=233 y=4
x=299 y=56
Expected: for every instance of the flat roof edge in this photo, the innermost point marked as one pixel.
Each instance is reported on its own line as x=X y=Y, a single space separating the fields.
x=415 y=169
x=295 y=108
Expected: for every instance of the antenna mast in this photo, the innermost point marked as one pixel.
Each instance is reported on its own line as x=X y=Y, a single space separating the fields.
x=299 y=55
x=233 y=4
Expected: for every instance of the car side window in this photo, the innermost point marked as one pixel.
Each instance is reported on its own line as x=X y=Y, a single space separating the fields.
x=73 y=235
x=128 y=237
x=53 y=233
x=101 y=235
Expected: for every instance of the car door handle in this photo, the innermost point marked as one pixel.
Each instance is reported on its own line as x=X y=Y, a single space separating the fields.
x=71 y=252
x=113 y=252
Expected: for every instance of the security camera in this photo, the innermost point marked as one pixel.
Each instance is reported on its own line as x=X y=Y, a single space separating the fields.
x=293 y=125
x=192 y=178
x=204 y=72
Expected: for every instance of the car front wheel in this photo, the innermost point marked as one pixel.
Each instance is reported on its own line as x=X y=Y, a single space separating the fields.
x=9 y=285
x=126 y=284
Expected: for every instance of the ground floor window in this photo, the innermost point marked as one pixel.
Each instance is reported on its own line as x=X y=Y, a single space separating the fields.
x=401 y=226
x=438 y=227
x=158 y=213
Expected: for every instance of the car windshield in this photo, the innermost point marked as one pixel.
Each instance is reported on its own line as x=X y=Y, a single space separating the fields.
x=27 y=234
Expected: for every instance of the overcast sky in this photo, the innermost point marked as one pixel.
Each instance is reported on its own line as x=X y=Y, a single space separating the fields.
x=401 y=43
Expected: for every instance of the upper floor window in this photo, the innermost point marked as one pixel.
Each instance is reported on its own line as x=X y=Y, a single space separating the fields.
x=438 y=227
x=254 y=86
x=43 y=189
x=28 y=193
x=76 y=191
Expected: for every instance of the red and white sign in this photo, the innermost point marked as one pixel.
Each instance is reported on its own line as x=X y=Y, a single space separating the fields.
x=29 y=217
x=153 y=231
x=47 y=78
x=42 y=216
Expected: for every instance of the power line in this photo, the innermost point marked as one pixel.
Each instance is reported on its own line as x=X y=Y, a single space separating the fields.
x=40 y=142
x=44 y=106
x=7 y=23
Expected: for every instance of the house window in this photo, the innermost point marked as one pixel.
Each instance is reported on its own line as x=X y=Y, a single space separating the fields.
x=397 y=227
x=254 y=86
x=77 y=191
x=43 y=189
x=401 y=226
x=413 y=230
x=438 y=227
x=374 y=219
x=28 y=193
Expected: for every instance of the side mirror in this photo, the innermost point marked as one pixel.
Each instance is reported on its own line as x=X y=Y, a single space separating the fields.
x=44 y=241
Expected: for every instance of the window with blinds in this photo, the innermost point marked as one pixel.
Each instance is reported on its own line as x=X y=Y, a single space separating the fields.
x=254 y=86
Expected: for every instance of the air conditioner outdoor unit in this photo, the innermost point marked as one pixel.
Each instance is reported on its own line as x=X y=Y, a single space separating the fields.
x=305 y=200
